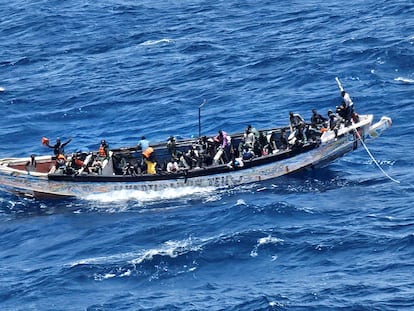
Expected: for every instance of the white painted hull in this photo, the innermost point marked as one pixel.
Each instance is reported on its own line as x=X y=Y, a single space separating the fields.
x=330 y=149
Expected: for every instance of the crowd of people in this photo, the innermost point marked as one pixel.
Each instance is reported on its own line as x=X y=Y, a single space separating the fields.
x=207 y=151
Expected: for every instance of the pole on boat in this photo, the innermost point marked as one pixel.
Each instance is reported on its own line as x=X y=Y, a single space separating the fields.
x=199 y=117
x=341 y=88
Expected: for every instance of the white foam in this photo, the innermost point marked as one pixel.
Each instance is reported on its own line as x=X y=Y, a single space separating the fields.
x=263 y=241
x=170 y=249
x=155 y=42
x=405 y=80
x=2 y=89
x=149 y=196
x=269 y=240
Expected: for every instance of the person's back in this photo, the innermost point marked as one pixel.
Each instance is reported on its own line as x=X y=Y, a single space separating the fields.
x=317 y=120
x=347 y=99
x=249 y=139
x=143 y=144
x=295 y=120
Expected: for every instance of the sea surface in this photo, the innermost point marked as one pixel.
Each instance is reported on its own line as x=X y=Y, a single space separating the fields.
x=337 y=238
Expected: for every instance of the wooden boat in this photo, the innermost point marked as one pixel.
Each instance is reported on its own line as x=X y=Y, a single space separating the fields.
x=119 y=171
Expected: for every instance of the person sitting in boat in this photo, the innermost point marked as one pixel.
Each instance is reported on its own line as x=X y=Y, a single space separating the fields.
x=190 y=159
x=171 y=146
x=77 y=160
x=278 y=140
x=58 y=147
x=31 y=164
x=248 y=153
x=206 y=150
x=183 y=161
x=223 y=151
x=60 y=162
x=98 y=161
x=172 y=167
x=129 y=169
x=263 y=146
x=103 y=152
x=317 y=120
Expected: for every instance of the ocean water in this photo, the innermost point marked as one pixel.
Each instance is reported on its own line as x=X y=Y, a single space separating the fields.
x=337 y=238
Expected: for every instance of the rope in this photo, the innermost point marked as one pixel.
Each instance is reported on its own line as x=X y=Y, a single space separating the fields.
x=373 y=159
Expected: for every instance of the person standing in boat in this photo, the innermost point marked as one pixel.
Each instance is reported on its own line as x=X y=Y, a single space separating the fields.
x=143 y=144
x=223 y=140
x=172 y=147
x=58 y=147
x=149 y=160
x=347 y=105
x=334 y=122
x=249 y=137
x=296 y=121
x=31 y=164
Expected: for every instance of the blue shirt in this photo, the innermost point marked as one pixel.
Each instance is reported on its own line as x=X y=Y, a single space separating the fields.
x=144 y=144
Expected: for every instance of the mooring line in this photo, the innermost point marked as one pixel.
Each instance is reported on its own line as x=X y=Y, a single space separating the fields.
x=373 y=159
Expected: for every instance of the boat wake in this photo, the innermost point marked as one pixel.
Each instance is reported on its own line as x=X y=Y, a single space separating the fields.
x=149 y=196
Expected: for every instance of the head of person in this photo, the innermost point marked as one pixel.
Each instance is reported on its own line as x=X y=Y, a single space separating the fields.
x=58 y=141
x=142 y=137
x=103 y=142
x=342 y=93
x=314 y=111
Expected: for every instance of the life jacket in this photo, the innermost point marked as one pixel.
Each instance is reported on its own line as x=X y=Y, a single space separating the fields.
x=102 y=151
x=147 y=152
x=60 y=160
x=78 y=162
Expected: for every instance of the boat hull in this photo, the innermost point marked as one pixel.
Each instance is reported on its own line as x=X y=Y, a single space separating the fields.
x=329 y=150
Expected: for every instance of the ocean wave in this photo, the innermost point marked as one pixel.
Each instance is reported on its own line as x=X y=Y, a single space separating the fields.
x=156 y=42
x=404 y=80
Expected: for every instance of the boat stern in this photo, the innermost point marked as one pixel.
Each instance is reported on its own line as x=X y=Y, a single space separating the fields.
x=379 y=127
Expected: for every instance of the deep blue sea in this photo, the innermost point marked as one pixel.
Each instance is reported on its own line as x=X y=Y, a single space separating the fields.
x=337 y=238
